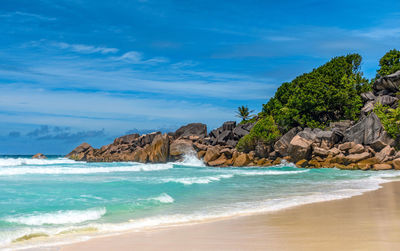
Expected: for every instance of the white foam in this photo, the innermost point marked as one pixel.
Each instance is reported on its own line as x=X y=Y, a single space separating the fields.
x=58 y=218
x=269 y=172
x=82 y=170
x=198 y=180
x=163 y=198
x=353 y=188
x=190 y=159
x=27 y=161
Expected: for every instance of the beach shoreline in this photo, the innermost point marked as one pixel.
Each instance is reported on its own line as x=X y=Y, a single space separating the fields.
x=370 y=221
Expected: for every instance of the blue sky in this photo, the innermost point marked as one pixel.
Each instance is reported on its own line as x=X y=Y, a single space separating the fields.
x=76 y=70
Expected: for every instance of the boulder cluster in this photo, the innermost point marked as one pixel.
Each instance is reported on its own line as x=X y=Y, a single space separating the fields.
x=346 y=145
x=364 y=145
x=385 y=91
x=160 y=148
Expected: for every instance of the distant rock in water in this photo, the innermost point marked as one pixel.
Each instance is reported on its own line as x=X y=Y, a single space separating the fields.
x=39 y=156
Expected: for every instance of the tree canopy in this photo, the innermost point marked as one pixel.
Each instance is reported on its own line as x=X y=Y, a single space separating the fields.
x=389 y=63
x=329 y=93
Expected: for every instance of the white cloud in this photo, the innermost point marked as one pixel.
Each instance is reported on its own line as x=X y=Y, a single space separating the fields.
x=86 y=49
x=135 y=57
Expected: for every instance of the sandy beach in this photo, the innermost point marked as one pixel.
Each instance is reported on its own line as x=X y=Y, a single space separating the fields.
x=367 y=222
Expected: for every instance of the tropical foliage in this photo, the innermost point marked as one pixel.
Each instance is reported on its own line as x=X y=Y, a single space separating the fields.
x=389 y=63
x=265 y=131
x=390 y=119
x=244 y=113
x=329 y=93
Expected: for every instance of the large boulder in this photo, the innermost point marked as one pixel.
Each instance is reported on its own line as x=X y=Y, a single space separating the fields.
x=282 y=145
x=390 y=82
x=212 y=153
x=366 y=131
x=242 y=130
x=299 y=148
x=385 y=153
x=352 y=158
x=326 y=139
x=159 y=151
x=196 y=129
x=181 y=147
x=242 y=160
x=368 y=107
x=141 y=154
x=386 y=100
x=229 y=125
x=79 y=152
x=308 y=134
x=218 y=162
x=368 y=96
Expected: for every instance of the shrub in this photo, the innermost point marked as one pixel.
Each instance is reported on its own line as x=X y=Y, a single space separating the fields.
x=265 y=131
x=390 y=119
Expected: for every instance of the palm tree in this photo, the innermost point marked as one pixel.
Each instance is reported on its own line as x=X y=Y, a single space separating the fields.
x=244 y=113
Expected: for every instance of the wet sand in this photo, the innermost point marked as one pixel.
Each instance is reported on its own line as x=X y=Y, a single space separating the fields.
x=367 y=222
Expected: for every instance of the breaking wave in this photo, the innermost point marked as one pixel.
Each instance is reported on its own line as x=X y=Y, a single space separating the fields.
x=58 y=217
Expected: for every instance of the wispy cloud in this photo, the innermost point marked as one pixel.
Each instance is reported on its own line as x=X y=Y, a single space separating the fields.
x=83 y=48
x=135 y=57
x=380 y=33
x=27 y=15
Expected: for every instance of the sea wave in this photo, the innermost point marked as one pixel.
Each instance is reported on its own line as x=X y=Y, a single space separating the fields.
x=269 y=172
x=57 y=218
x=163 y=198
x=198 y=180
x=26 y=161
x=82 y=170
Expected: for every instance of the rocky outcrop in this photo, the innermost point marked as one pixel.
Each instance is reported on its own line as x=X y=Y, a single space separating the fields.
x=368 y=130
x=159 y=149
x=389 y=83
x=282 y=145
x=229 y=134
x=39 y=156
x=180 y=147
x=193 y=129
x=344 y=144
x=300 y=148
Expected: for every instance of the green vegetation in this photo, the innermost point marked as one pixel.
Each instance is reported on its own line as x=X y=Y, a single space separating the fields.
x=390 y=119
x=329 y=93
x=389 y=63
x=265 y=131
x=244 y=113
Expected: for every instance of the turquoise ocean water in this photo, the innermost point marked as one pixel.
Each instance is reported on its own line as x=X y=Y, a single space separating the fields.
x=56 y=197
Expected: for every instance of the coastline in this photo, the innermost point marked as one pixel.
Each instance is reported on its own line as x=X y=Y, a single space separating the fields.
x=365 y=222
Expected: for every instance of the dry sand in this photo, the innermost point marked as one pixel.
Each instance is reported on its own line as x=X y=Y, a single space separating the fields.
x=367 y=222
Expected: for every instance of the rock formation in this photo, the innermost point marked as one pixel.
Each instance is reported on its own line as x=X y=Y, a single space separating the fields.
x=344 y=144
x=39 y=156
